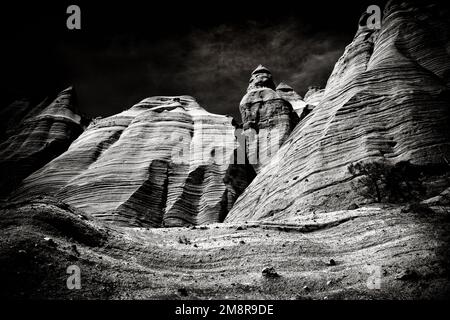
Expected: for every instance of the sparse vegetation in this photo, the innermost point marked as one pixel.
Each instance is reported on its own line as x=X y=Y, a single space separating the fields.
x=385 y=182
x=418 y=207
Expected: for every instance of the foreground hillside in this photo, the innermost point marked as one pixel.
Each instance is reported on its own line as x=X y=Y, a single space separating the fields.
x=334 y=257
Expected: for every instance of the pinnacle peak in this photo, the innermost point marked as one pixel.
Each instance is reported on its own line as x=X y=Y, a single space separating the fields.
x=282 y=86
x=261 y=69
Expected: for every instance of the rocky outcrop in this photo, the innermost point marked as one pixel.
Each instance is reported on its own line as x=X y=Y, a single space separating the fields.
x=296 y=100
x=32 y=135
x=386 y=99
x=314 y=95
x=268 y=118
x=164 y=162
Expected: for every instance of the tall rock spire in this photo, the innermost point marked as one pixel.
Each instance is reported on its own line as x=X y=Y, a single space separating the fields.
x=261 y=78
x=386 y=100
x=267 y=117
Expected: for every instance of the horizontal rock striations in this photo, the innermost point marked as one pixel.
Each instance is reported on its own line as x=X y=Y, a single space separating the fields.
x=387 y=99
x=33 y=135
x=335 y=257
x=268 y=117
x=288 y=94
x=164 y=162
x=314 y=95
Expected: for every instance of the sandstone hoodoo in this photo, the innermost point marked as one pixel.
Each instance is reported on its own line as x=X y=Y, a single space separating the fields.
x=35 y=134
x=296 y=101
x=164 y=162
x=341 y=194
x=268 y=118
x=387 y=99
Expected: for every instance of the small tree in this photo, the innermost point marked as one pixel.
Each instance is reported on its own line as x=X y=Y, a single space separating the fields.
x=382 y=181
x=372 y=176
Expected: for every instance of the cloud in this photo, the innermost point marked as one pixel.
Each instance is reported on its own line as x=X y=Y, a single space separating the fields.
x=213 y=64
x=217 y=64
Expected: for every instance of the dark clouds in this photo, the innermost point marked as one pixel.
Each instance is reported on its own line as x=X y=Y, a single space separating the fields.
x=127 y=53
x=218 y=65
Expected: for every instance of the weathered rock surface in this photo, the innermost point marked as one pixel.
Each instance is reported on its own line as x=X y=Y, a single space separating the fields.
x=33 y=135
x=164 y=162
x=314 y=95
x=370 y=246
x=268 y=118
x=296 y=100
x=386 y=99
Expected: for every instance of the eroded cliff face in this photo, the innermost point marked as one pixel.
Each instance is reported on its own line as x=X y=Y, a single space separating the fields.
x=386 y=99
x=268 y=117
x=164 y=162
x=32 y=135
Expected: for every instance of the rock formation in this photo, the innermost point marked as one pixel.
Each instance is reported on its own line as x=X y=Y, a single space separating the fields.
x=314 y=95
x=288 y=94
x=164 y=162
x=386 y=99
x=33 y=135
x=267 y=117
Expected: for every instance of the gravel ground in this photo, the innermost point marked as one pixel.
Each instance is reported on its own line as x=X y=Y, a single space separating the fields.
x=367 y=253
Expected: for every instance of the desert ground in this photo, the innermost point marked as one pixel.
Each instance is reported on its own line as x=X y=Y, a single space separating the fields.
x=373 y=252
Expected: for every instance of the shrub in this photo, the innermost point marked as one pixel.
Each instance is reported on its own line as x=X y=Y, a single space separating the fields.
x=384 y=182
x=418 y=207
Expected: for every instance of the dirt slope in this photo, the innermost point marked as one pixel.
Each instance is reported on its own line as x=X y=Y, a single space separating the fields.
x=41 y=238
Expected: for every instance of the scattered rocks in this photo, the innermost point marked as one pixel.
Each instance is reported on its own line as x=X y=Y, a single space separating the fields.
x=50 y=241
x=353 y=206
x=408 y=275
x=183 y=292
x=184 y=240
x=331 y=263
x=306 y=289
x=239 y=228
x=269 y=272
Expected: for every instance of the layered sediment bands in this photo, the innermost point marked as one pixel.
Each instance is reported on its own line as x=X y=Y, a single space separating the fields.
x=164 y=162
x=313 y=96
x=386 y=99
x=225 y=260
x=267 y=117
x=34 y=135
x=296 y=101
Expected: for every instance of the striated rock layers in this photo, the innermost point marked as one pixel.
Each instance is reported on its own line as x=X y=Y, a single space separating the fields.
x=268 y=117
x=314 y=96
x=164 y=162
x=386 y=99
x=301 y=106
x=33 y=135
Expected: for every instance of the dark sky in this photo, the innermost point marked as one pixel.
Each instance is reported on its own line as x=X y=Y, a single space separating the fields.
x=130 y=50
